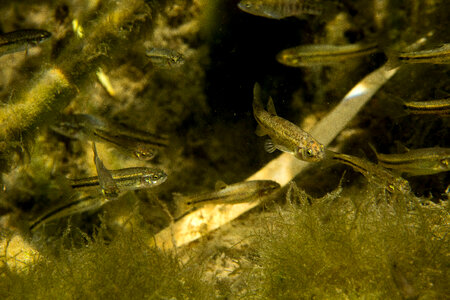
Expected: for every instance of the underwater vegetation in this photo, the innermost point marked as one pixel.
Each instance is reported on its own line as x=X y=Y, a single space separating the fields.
x=118 y=118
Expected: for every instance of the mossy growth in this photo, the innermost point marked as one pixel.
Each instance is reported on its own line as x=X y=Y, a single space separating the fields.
x=123 y=268
x=341 y=247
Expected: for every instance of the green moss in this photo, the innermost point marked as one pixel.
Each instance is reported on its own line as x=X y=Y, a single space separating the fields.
x=125 y=268
x=352 y=247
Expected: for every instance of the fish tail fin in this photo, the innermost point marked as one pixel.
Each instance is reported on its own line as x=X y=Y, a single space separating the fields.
x=257 y=103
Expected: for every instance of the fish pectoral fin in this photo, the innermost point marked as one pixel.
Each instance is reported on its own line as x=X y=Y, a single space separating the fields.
x=220 y=185
x=259 y=131
x=269 y=146
x=271 y=107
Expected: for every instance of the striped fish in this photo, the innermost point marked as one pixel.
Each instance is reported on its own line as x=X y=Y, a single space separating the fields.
x=425 y=161
x=439 y=55
x=20 y=40
x=433 y=107
x=315 y=55
x=279 y=9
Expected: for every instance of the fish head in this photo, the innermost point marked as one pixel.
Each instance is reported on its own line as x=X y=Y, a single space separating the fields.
x=144 y=153
x=43 y=35
x=444 y=164
x=256 y=7
x=153 y=177
x=268 y=187
x=287 y=57
x=314 y=152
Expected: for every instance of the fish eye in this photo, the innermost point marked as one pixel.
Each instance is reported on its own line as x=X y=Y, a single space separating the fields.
x=391 y=188
x=151 y=179
x=309 y=152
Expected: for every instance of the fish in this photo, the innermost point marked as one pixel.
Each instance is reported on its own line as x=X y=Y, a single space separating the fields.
x=20 y=40
x=315 y=55
x=78 y=126
x=375 y=174
x=439 y=55
x=164 y=58
x=105 y=179
x=439 y=107
x=142 y=150
x=416 y=162
x=279 y=9
x=284 y=135
x=143 y=145
x=80 y=205
x=246 y=191
x=127 y=179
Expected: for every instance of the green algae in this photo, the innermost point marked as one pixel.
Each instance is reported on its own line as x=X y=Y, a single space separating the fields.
x=352 y=246
x=126 y=268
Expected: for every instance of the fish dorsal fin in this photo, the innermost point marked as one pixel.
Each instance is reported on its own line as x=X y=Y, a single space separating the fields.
x=220 y=185
x=271 y=107
x=373 y=149
x=401 y=148
x=269 y=146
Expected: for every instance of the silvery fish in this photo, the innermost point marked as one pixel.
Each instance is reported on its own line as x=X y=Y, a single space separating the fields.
x=141 y=144
x=246 y=191
x=375 y=174
x=164 y=58
x=425 y=161
x=127 y=179
x=285 y=136
x=279 y=9
x=315 y=55
x=143 y=150
x=439 y=55
x=439 y=107
x=73 y=207
x=20 y=40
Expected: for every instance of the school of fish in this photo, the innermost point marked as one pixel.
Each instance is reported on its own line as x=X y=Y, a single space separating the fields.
x=93 y=192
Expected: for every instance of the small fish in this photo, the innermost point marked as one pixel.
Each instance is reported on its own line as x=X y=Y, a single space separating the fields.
x=164 y=58
x=143 y=150
x=81 y=205
x=285 y=136
x=425 y=161
x=315 y=55
x=439 y=55
x=141 y=144
x=78 y=126
x=279 y=9
x=375 y=174
x=105 y=179
x=127 y=179
x=20 y=40
x=433 y=107
x=246 y=191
